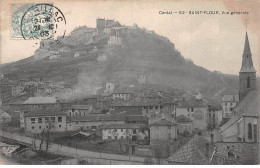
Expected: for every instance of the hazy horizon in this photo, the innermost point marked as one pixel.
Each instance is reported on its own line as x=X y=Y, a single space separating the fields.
x=212 y=42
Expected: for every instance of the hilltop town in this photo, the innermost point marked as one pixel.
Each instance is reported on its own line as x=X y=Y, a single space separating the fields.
x=96 y=96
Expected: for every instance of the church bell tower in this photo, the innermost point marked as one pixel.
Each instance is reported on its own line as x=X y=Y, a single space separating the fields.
x=247 y=74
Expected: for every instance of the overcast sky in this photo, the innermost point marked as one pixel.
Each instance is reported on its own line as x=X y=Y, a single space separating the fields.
x=214 y=42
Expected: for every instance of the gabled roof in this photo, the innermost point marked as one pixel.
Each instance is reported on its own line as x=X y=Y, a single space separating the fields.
x=247 y=107
x=254 y=106
x=3 y=113
x=79 y=106
x=183 y=119
x=40 y=100
x=230 y=98
x=192 y=103
x=122 y=92
x=97 y=117
x=164 y=122
x=136 y=118
x=82 y=133
x=124 y=126
x=135 y=103
x=193 y=152
x=37 y=112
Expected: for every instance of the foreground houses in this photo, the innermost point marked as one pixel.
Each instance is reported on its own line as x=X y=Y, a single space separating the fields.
x=196 y=151
x=133 y=132
x=52 y=119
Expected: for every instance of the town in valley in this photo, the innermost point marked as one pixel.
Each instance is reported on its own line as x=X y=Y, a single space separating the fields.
x=109 y=95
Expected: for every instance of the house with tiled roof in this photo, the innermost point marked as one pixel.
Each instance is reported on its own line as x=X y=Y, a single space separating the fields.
x=94 y=121
x=185 y=124
x=78 y=109
x=122 y=95
x=132 y=132
x=197 y=110
x=162 y=133
x=215 y=115
x=36 y=102
x=133 y=108
x=152 y=96
x=146 y=108
x=38 y=119
x=136 y=119
x=229 y=102
x=163 y=129
x=196 y=151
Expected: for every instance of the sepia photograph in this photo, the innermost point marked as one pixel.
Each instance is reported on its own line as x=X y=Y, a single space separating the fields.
x=113 y=82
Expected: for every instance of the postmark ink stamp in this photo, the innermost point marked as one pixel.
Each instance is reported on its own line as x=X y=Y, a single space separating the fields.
x=42 y=21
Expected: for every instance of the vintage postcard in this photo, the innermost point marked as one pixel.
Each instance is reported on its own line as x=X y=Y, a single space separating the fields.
x=113 y=82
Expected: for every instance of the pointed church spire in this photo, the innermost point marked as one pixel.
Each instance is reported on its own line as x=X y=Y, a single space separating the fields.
x=247 y=63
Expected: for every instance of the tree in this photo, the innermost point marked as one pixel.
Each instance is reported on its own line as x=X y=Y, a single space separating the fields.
x=42 y=135
x=47 y=140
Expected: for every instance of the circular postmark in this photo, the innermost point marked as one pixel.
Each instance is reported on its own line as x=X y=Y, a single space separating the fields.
x=43 y=21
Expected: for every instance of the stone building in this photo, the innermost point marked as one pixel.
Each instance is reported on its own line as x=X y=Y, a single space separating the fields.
x=163 y=130
x=94 y=121
x=229 y=102
x=17 y=90
x=114 y=38
x=131 y=132
x=241 y=132
x=126 y=96
x=215 y=116
x=79 y=110
x=52 y=119
x=185 y=124
x=197 y=110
